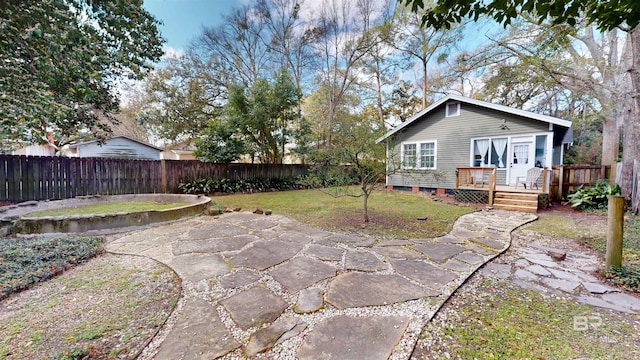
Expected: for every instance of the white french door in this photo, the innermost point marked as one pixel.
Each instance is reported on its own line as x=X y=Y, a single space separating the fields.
x=521 y=159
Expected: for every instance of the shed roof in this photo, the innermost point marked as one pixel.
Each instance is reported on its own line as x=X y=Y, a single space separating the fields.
x=74 y=145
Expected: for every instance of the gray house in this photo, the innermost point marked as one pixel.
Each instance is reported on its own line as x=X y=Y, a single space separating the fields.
x=456 y=135
x=121 y=146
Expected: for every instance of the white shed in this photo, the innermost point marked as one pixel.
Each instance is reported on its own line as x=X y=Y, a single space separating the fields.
x=121 y=146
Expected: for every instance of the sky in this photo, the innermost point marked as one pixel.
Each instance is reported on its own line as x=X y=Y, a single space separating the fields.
x=183 y=19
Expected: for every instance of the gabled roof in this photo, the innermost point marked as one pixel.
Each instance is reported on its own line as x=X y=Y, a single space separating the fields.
x=187 y=145
x=74 y=145
x=480 y=103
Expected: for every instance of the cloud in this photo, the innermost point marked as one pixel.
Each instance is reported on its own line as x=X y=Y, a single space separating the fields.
x=170 y=52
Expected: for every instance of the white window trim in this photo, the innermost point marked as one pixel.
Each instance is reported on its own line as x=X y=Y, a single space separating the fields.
x=446 y=106
x=402 y=145
x=490 y=138
x=510 y=139
x=417 y=144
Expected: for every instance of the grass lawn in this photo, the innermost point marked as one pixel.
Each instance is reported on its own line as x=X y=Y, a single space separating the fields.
x=585 y=231
x=495 y=319
x=105 y=208
x=629 y=275
x=110 y=306
x=393 y=214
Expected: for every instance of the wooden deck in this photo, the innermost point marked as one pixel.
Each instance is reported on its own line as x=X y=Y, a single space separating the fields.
x=502 y=196
x=504 y=188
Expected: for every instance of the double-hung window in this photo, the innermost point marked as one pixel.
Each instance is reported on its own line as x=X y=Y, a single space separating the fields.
x=409 y=155
x=427 y=155
x=421 y=155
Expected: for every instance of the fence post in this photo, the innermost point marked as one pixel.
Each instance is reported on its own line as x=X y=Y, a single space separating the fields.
x=163 y=176
x=635 y=187
x=492 y=186
x=612 y=174
x=615 y=231
x=560 y=181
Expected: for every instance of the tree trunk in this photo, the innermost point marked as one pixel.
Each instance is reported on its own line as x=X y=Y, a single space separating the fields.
x=330 y=115
x=631 y=141
x=366 y=205
x=610 y=140
x=379 y=95
x=424 y=83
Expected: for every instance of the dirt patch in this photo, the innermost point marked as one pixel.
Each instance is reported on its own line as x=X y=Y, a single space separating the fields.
x=109 y=307
x=567 y=211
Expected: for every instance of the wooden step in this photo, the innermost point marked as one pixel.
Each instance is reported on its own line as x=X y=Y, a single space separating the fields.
x=511 y=195
x=516 y=201
x=509 y=201
x=516 y=208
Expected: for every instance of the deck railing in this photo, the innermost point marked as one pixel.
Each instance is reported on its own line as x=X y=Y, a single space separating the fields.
x=492 y=185
x=481 y=178
x=477 y=177
x=484 y=178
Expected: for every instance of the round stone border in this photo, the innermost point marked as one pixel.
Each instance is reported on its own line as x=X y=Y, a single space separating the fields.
x=16 y=219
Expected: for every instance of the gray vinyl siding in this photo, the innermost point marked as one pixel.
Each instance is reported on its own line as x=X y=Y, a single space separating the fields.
x=557 y=153
x=121 y=148
x=453 y=136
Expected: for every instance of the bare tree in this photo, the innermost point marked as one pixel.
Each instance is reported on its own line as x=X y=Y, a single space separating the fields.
x=240 y=44
x=380 y=63
x=345 y=40
x=421 y=46
x=290 y=37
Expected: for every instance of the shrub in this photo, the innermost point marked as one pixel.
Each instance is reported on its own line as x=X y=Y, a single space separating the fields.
x=626 y=276
x=328 y=180
x=594 y=197
x=222 y=185
x=29 y=261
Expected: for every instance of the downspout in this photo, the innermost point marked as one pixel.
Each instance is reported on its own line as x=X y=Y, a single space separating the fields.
x=549 y=159
x=386 y=180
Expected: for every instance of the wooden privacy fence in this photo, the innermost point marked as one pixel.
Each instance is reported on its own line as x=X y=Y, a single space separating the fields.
x=24 y=178
x=177 y=171
x=566 y=178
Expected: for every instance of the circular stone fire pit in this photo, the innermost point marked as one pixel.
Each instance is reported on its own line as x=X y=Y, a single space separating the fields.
x=17 y=219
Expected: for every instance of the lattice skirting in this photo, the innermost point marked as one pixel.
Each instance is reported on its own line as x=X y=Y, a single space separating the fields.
x=543 y=201
x=482 y=197
x=472 y=196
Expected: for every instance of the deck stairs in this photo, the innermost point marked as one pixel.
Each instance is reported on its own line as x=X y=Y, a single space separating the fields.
x=525 y=202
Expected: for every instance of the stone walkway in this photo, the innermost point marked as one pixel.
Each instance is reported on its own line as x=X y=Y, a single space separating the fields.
x=530 y=266
x=270 y=287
